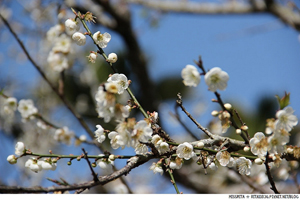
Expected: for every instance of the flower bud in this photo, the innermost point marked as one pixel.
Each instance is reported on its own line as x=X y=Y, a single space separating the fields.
x=238 y=131
x=92 y=57
x=246 y=148
x=12 y=159
x=290 y=150
x=228 y=106
x=200 y=145
x=215 y=113
x=112 y=157
x=244 y=127
x=79 y=38
x=19 y=148
x=69 y=163
x=258 y=161
x=112 y=58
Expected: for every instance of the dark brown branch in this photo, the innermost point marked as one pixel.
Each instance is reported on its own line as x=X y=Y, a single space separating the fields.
x=131 y=164
x=283 y=13
x=273 y=186
x=95 y=178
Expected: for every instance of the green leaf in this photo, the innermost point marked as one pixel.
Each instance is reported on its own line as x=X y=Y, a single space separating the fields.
x=284 y=101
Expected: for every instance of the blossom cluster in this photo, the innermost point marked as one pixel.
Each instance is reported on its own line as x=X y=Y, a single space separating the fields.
x=279 y=130
x=33 y=164
x=105 y=97
x=215 y=79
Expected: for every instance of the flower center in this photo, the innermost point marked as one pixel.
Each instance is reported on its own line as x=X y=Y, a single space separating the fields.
x=262 y=143
x=186 y=150
x=215 y=78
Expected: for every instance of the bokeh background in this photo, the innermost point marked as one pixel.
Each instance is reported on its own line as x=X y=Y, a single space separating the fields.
x=258 y=51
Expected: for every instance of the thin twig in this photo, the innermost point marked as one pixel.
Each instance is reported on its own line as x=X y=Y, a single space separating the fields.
x=273 y=186
x=177 y=116
x=90 y=166
x=241 y=121
x=179 y=102
x=172 y=177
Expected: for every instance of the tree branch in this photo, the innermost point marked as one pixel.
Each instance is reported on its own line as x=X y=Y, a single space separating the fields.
x=131 y=164
x=285 y=14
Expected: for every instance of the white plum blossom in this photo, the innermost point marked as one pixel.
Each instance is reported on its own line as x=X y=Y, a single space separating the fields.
x=185 y=151
x=156 y=168
x=277 y=141
x=54 y=32
x=125 y=129
x=92 y=57
x=71 y=26
x=141 y=149
x=12 y=159
x=159 y=144
x=64 y=135
x=259 y=144
x=101 y=39
x=33 y=165
x=99 y=134
x=105 y=104
x=223 y=157
x=19 y=148
x=47 y=164
x=216 y=79
x=10 y=104
x=141 y=132
x=27 y=108
x=121 y=112
x=176 y=164
x=163 y=147
x=244 y=166
x=62 y=44
x=111 y=87
x=121 y=81
x=116 y=140
x=105 y=164
x=190 y=75
x=270 y=127
x=57 y=61
x=112 y=58
x=79 y=38
x=285 y=119
x=232 y=162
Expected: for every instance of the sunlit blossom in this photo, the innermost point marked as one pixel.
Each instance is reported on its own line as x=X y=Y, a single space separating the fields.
x=27 y=108
x=285 y=119
x=79 y=38
x=259 y=144
x=99 y=134
x=101 y=39
x=244 y=166
x=156 y=168
x=190 y=75
x=223 y=157
x=216 y=79
x=185 y=151
x=19 y=148
x=121 y=81
x=71 y=26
